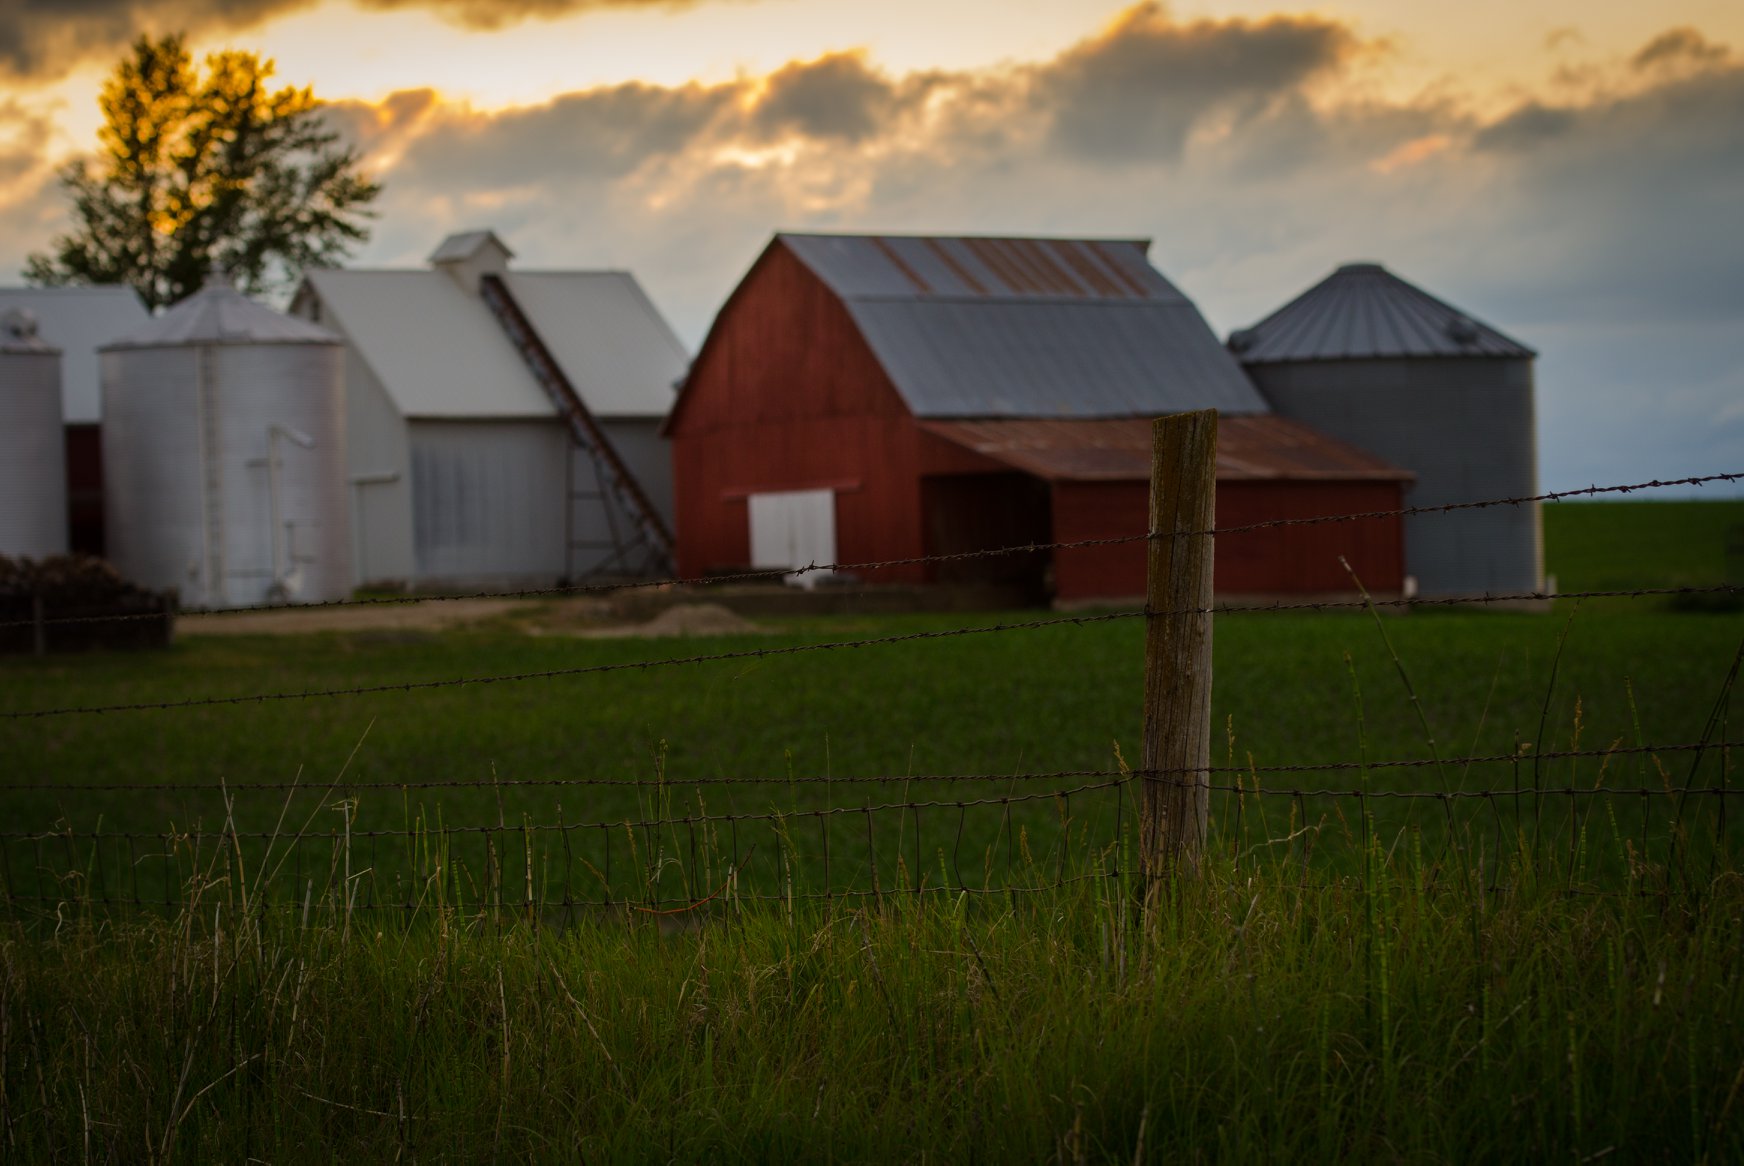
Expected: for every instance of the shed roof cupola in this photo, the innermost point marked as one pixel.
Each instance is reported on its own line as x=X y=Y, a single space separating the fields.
x=467 y=255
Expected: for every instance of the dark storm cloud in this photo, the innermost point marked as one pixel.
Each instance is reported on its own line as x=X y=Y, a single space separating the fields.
x=1294 y=137
x=494 y=14
x=45 y=39
x=594 y=134
x=41 y=40
x=1530 y=125
x=1678 y=46
x=375 y=126
x=1136 y=92
x=1622 y=208
x=835 y=97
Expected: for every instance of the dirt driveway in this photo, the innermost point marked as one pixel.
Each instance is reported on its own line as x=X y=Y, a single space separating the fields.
x=424 y=615
x=564 y=617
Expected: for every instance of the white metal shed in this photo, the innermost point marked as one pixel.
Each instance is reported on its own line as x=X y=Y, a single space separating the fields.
x=463 y=471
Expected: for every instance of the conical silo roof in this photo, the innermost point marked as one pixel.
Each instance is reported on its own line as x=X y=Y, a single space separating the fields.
x=219 y=314
x=1363 y=311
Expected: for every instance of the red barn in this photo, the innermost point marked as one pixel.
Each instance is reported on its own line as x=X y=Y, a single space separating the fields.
x=868 y=398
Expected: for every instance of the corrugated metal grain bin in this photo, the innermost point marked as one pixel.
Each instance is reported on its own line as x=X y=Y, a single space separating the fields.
x=33 y=465
x=1372 y=360
x=224 y=459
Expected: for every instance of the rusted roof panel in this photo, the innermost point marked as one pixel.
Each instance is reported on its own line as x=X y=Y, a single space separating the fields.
x=1276 y=447
x=1363 y=311
x=983 y=327
x=941 y=266
x=1253 y=447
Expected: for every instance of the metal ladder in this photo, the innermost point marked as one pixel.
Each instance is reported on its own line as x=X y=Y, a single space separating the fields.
x=645 y=550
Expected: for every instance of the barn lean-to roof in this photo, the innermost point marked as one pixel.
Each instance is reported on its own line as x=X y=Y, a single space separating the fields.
x=1363 y=311
x=1027 y=328
x=1250 y=447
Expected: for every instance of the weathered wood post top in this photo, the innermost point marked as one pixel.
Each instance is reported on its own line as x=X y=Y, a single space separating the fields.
x=1177 y=715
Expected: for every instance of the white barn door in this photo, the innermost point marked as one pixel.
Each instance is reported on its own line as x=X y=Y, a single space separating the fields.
x=793 y=528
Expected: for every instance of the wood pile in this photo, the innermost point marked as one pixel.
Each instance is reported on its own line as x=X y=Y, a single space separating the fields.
x=65 y=603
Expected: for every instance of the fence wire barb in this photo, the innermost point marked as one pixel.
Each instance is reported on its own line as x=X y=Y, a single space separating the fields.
x=1524 y=792
x=777 y=574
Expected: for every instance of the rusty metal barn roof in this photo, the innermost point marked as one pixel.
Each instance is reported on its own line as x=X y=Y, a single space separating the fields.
x=1363 y=311
x=1037 y=328
x=1251 y=447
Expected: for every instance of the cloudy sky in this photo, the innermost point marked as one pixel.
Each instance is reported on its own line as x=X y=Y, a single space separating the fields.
x=1571 y=171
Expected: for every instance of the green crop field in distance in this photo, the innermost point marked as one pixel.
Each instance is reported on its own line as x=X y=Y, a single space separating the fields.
x=1604 y=546
x=1059 y=698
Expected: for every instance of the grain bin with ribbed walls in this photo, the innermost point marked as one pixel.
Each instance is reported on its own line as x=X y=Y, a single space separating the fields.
x=224 y=454
x=33 y=459
x=1374 y=361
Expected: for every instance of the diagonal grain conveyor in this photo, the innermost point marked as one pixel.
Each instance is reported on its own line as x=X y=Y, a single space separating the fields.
x=650 y=536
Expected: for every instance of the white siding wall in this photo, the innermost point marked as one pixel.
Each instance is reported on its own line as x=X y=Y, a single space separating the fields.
x=33 y=461
x=649 y=456
x=488 y=502
x=380 y=480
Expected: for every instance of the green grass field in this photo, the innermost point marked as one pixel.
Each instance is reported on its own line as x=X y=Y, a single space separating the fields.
x=1609 y=546
x=1061 y=698
x=409 y=960
x=1257 y=1018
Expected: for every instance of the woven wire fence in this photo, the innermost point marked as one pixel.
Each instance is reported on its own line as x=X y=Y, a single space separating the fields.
x=578 y=843
x=978 y=835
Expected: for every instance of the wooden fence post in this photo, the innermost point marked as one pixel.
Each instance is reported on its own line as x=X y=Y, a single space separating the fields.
x=1177 y=714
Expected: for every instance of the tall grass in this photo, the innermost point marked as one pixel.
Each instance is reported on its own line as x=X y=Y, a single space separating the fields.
x=1512 y=686
x=1268 y=1011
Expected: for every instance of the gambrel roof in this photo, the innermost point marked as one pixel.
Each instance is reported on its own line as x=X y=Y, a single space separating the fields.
x=1027 y=328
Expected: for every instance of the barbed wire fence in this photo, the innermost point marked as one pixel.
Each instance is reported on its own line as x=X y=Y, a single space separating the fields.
x=858 y=567
x=677 y=853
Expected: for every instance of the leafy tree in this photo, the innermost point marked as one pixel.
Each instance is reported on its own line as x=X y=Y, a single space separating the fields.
x=201 y=170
